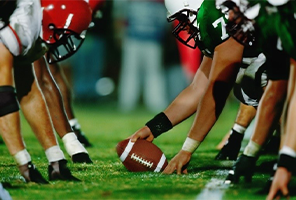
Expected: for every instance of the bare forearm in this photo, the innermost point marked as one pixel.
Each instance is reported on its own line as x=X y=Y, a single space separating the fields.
x=186 y=102
x=224 y=69
x=209 y=110
x=184 y=105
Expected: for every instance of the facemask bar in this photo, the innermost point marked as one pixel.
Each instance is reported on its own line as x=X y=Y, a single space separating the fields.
x=67 y=43
x=239 y=27
x=184 y=24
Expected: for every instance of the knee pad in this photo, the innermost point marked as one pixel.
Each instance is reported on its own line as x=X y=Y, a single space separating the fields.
x=8 y=101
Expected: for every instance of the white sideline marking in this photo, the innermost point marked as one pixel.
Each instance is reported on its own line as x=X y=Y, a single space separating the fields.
x=215 y=188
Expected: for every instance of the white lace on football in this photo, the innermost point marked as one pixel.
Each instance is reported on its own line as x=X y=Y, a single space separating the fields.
x=141 y=160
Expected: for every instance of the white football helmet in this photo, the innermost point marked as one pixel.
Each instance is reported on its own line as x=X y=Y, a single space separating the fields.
x=184 y=12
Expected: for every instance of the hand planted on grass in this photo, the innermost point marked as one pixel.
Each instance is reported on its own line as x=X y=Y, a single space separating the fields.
x=279 y=186
x=179 y=163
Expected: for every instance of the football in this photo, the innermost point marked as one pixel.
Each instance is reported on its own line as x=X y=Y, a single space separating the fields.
x=141 y=156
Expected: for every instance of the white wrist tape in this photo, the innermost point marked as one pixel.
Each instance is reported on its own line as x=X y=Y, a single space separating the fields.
x=288 y=151
x=238 y=128
x=252 y=149
x=190 y=145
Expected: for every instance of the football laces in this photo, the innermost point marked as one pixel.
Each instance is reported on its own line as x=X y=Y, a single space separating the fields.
x=141 y=160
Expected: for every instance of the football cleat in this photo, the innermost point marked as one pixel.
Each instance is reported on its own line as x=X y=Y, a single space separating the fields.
x=244 y=166
x=81 y=137
x=231 y=148
x=81 y=158
x=59 y=171
x=31 y=174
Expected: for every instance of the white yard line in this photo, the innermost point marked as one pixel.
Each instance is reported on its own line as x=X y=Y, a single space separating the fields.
x=215 y=188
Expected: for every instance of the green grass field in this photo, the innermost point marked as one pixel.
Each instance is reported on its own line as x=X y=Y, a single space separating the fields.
x=107 y=178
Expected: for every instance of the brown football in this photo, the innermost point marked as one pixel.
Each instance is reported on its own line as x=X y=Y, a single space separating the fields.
x=141 y=156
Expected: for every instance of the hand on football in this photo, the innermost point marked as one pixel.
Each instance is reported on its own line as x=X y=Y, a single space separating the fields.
x=179 y=163
x=142 y=133
x=279 y=186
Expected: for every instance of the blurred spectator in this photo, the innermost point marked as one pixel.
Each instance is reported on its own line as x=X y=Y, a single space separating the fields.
x=87 y=64
x=143 y=23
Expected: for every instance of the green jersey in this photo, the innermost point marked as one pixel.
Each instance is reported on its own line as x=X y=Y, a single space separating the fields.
x=211 y=23
x=279 y=22
x=275 y=30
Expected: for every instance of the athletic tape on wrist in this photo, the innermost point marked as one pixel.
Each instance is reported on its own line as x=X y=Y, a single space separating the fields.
x=238 y=128
x=287 y=162
x=252 y=149
x=190 y=145
x=159 y=124
x=288 y=151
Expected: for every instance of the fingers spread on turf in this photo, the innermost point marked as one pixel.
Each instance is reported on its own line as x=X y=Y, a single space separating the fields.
x=170 y=168
x=278 y=192
x=179 y=168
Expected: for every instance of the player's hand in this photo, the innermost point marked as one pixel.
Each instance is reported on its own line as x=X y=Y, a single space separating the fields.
x=279 y=186
x=179 y=163
x=143 y=133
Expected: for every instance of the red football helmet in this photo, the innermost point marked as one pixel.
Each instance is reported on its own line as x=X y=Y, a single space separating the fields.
x=95 y=5
x=64 y=27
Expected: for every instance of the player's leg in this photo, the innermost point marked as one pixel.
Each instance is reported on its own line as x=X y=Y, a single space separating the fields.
x=232 y=146
x=64 y=87
x=36 y=113
x=10 y=120
x=57 y=112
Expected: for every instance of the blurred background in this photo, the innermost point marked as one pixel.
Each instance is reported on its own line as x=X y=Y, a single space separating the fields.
x=130 y=58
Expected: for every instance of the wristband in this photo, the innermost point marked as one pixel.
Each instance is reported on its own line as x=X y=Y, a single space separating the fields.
x=159 y=124
x=190 y=145
x=287 y=162
x=288 y=151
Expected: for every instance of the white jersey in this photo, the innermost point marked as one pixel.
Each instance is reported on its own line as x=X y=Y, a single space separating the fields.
x=24 y=27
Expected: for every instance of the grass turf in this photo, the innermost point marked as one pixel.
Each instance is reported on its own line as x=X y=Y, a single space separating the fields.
x=107 y=178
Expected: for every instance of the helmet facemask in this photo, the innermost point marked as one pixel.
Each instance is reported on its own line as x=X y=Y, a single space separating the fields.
x=67 y=42
x=185 y=22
